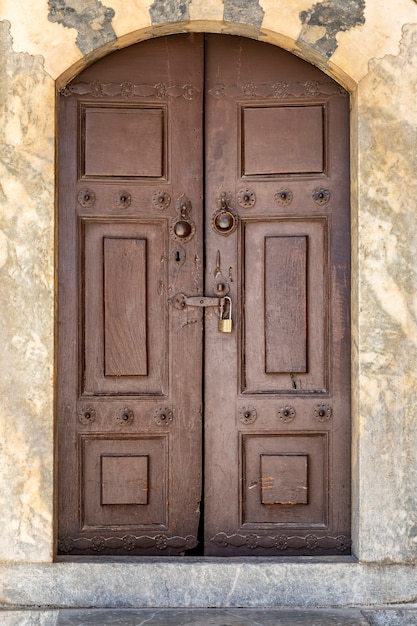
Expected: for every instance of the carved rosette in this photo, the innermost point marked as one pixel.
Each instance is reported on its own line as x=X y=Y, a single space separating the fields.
x=246 y=198
x=97 y=89
x=321 y=196
x=122 y=199
x=163 y=416
x=86 y=198
x=283 y=197
x=312 y=88
x=247 y=414
x=280 y=89
x=190 y=92
x=249 y=90
x=161 y=200
x=313 y=543
x=286 y=414
x=87 y=416
x=127 y=90
x=125 y=416
x=129 y=542
x=98 y=544
x=322 y=412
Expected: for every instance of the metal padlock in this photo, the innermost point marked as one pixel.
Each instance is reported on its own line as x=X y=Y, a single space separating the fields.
x=225 y=325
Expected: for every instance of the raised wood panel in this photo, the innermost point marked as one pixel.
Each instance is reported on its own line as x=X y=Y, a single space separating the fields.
x=125 y=307
x=122 y=142
x=285 y=304
x=124 y=312
x=285 y=309
x=124 y=480
x=282 y=140
x=284 y=479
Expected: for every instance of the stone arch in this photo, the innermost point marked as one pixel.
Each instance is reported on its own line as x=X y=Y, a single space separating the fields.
x=295 y=45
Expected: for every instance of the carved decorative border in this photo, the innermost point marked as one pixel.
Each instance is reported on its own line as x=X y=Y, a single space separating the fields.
x=128 y=90
x=127 y=543
x=278 y=90
x=283 y=542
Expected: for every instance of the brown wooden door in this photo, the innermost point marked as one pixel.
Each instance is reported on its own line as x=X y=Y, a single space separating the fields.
x=155 y=208
x=277 y=409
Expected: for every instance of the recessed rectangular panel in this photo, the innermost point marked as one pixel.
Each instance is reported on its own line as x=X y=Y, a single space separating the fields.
x=124 y=479
x=123 y=142
x=125 y=310
x=284 y=479
x=282 y=140
x=285 y=304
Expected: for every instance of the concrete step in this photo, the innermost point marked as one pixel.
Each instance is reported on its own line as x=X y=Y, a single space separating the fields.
x=210 y=617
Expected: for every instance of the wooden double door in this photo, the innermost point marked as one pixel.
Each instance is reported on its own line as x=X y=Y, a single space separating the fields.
x=203 y=329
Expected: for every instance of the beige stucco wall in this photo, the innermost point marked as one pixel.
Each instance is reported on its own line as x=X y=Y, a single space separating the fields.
x=371 y=49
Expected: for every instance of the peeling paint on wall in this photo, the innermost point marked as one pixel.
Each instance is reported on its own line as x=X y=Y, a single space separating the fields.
x=90 y=18
x=326 y=19
x=169 y=11
x=244 y=11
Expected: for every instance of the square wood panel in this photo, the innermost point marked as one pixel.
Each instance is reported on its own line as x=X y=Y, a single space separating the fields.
x=122 y=142
x=284 y=478
x=282 y=140
x=124 y=478
x=123 y=481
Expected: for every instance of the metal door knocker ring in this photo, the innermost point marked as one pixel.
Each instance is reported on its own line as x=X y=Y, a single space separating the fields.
x=225 y=219
x=182 y=228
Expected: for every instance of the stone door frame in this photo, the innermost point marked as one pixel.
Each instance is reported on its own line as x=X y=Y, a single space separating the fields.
x=368 y=61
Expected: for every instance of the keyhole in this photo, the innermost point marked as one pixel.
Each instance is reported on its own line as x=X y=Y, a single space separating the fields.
x=177 y=256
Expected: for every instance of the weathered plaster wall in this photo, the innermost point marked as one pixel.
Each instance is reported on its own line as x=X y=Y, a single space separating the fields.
x=371 y=49
x=26 y=302
x=387 y=283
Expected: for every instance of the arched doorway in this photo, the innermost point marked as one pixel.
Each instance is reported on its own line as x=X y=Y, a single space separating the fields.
x=204 y=303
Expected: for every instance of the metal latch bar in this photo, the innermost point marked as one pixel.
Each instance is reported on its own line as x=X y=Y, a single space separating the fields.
x=180 y=301
x=202 y=301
